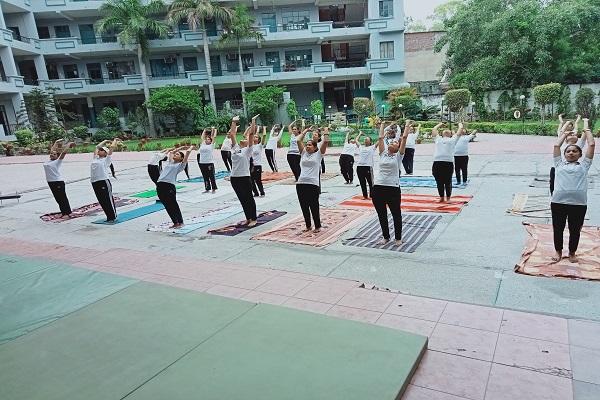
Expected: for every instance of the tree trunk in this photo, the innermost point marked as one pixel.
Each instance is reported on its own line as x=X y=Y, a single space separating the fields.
x=211 y=87
x=241 y=67
x=142 y=62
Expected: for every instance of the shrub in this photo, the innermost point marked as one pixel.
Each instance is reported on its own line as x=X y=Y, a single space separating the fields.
x=584 y=103
x=81 y=132
x=292 y=110
x=104 y=134
x=546 y=94
x=363 y=107
x=405 y=103
x=264 y=101
x=316 y=108
x=182 y=103
x=24 y=137
x=109 y=118
x=457 y=100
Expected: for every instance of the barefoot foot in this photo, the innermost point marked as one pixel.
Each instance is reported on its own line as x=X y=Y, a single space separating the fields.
x=573 y=258
x=383 y=241
x=557 y=257
x=317 y=230
x=398 y=242
x=251 y=224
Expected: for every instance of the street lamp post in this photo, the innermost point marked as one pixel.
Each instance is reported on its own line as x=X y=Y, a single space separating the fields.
x=401 y=110
x=383 y=110
x=522 y=97
x=346 y=113
x=329 y=112
x=472 y=110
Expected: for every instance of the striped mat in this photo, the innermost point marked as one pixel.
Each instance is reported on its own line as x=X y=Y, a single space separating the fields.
x=417 y=203
x=424 y=181
x=415 y=229
x=532 y=206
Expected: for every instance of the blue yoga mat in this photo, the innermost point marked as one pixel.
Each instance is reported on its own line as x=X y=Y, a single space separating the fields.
x=199 y=179
x=422 y=181
x=132 y=214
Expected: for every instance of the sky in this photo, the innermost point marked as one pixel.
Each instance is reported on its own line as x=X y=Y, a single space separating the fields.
x=420 y=9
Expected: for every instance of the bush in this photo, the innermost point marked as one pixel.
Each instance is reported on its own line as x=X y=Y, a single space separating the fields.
x=457 y=99
x=546 y=94
x=24 y=137
x=81 y=132
x=292 y=110
x=584 y=103
x=316 y=108
x=182 y=103
x=104 y=134
x=264 y=101
x=109 y=118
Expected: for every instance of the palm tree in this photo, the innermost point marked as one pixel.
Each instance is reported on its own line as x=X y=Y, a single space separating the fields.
x=195 y=13
x=240 y=28
x=135 y=23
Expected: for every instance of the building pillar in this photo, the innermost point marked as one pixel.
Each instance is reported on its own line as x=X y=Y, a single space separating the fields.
x=40 y=67
x=90 y=105
x=322 y=92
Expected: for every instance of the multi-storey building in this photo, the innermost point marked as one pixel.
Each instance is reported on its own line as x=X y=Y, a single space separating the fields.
x=334 y=50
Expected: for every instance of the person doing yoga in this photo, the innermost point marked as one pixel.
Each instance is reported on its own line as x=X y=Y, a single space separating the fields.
x=461 y=158
x=570 y=129
x=271 y=147
x=569 y=200
x=100 y=180
x=56 y=183
x=293 y=155
x=386 y=191
x=364 y=165
x=347 y=158
x=226 y=152
x=443 y=157
x=256 y=169
x=165 y=186
x=205 y=159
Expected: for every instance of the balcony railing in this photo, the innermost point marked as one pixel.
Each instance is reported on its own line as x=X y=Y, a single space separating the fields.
x=348 y=24
x=350 y=63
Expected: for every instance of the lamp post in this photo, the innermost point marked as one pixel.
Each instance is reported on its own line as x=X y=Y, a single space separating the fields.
x=306 y=113
x=522 y=97
x=346 y=113
x=383 y=110
x=329 y=111
x=401 y=110
x=472 y=110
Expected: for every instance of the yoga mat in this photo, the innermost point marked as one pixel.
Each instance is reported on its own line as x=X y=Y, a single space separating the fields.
x=111 y=347
x=236 y=229
x=539 y=249
x=270 y=177
x=196 y=223
x=12 y=267
x=332 y=199
x=324 y=177
x=532 y=206
x=150 y=193
x=279 y=353
x=335 y=222
x=132 y=214
x=199 y=179
x=424 y=181
x=87 y=210
x=36 y=299
x=198 y=196
x=415 y=229
x=417 y=203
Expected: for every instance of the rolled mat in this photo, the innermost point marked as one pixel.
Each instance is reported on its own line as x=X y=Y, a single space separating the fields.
x=132 y=214
x=532 y=206
x=417 y=203
x=236 y=229
x=87 y=210
x=539 y=250
x=415 y=229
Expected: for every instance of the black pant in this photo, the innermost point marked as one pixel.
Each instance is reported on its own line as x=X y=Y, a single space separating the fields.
x=257 y=185
x=294 y=162
x=103 y=191
x=388 y=196
x=561 y=213
x=552 y=175
x=461 y=164
x=365 y=175
x=347 y=167
x=226 y=156
x=271 y=159
x=308 y=196
x=59 y=192
x=408 y=160
x=242 y=185
x=154 y=172
x=322 y=165
x=442 y=172
x=167 y=194
x=208 y=174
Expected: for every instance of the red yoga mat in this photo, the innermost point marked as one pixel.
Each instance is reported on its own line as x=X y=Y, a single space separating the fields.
x=417 y=203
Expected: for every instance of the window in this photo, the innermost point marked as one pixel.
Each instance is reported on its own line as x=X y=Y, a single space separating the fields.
x=62 y=31
x=70 y=71
x=215 y=65
x=272 y=58
x=94 y=73
x=233 y=64
x=386 y=8
x=87 y=33
x=386 y=50
x=15 y=32
x=190 y=64
x=117 y=69
x=295 y=20
x=268 y=19
x=297 y=59
x=43 y=32
x=52 y=70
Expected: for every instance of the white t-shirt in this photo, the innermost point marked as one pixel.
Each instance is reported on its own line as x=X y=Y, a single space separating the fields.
x=272 y=143
x=444 y=148
x=411 y=140
x=462 y=145
x=571 y=181
x=349 y=149
x=240 y=161
x=156 y=157
x=389 y=164
x=293 y=145
x=170 y=171
x=365 y=155
x=51 y=168
x=205 y=153
x=257 y=150
x=226 y=146
x=310 y=164
x=99 y=168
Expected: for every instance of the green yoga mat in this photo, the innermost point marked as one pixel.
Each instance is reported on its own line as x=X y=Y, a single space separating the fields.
x=150 y=193
x=41 y=297
x=12 y=267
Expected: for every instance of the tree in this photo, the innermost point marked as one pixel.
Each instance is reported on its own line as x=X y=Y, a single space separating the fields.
x=136 y=22
x=195 y=13
x=38 y=108
x=316 y=109
x=264 y=101
x=180 y=102
x=584 y=104
x=363 y=107
x=546 y=94
x=564 y=102
x=240 y=28
x=413 y=25
x=457 y=100
x=405 y=103
x=292 y=110
x=443 y=13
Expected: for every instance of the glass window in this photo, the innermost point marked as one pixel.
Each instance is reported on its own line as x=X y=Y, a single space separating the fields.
x=62 y=31
x=215 y=65
x=88 y=35
x=386 y=50
x=43 y=32
x=272 y=58
x=295 y=59
x=190 y=64
x=295 y=20
x=52 y=70
x=117 y=69
x=70 y=71
x=386 y=8
x=269 y=20
x=94 y=73
x=233 y=64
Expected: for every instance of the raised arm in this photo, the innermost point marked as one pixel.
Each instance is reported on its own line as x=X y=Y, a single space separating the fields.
x=347 y=137
x=591 y=143
x=557 y=145
x=291 y=126
x=56 y=144
x=434 y=131
x=66 y=150
x=188 y=151
x=357 y=138
x=233 y=130
x=323 y=148
x=402 y=147
x=461 y=129
x=577 y=119
x=113 y=146
x=263 y=138
x=99 y=146
x=380 y=143
x=561 y=123
x=300 y=140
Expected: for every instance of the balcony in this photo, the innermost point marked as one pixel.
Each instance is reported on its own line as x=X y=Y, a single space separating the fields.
x=22 y=45
x=384 y=66
x=73 y=45
x=315 y=31
x=11 y=84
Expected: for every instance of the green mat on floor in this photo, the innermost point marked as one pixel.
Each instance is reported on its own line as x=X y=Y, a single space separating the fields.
x=12 y=267
x=36 y=299
x=150 y=193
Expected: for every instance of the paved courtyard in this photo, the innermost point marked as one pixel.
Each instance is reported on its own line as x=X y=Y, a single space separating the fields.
x=493 y=333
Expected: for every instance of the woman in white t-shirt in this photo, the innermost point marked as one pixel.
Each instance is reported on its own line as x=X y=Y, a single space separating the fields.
x=100 y=180
x=307 y=187
x=569 y=200
x=226 y=152
x=293 y=155
x=271 y=147
x=570 y=129
x=443 y=159
x=347 y=159
x=256 y=169
x=409 y=153
x=386 y=191
x=205 y=159
x=240 y=169
x=55 y=179
x=364 y=165
x=461 y=158
x=165 y=186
